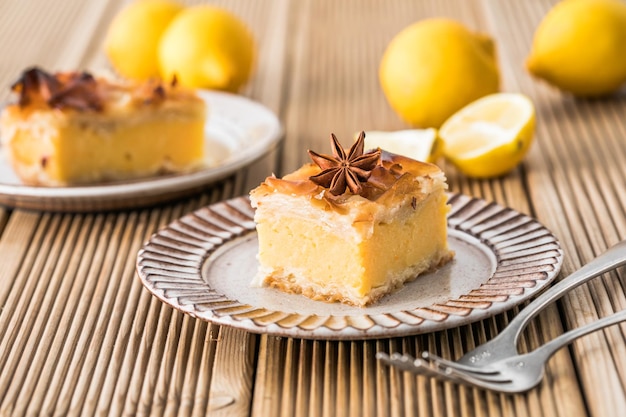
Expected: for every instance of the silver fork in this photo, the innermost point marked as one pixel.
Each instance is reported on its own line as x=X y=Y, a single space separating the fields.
x=497 y=363
x=517 y=373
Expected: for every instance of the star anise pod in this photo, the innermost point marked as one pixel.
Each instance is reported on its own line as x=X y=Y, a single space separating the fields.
x=61 y=90
x=35 y=83
x=344 y=170
x=79 y=91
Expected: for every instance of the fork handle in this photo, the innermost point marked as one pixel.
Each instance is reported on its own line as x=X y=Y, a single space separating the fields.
x=549 y=348
x=613 y=258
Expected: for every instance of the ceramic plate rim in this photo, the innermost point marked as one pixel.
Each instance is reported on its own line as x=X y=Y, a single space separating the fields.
x=98 y=197
x=164 y=274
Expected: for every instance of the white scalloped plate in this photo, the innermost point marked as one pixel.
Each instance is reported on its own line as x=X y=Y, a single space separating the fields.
x=203 y=263
x=239 y=131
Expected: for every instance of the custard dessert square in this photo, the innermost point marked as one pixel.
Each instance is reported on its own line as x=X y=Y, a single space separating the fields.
x=73 y=128
x=352 y=248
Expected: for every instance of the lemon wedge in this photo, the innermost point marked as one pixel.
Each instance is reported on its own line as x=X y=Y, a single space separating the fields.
x=490 y=136
x=418 y=144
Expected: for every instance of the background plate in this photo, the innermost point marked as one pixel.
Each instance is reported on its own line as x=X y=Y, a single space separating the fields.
x=203 y=263
x=239 y=131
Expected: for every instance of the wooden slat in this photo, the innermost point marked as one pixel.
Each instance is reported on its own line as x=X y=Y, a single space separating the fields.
x=15 y=242
x=267 y=387
x=234 y=360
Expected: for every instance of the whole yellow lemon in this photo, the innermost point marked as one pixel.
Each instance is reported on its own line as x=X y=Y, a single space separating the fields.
x=580 y=47
x=134 y=34
x=434 y=67
x=207 y=47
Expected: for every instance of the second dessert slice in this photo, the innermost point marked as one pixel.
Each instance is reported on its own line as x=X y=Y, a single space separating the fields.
x=74 y=128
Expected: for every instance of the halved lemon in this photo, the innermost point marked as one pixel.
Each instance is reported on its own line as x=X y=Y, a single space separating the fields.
x=490 y=136
x=419 y=144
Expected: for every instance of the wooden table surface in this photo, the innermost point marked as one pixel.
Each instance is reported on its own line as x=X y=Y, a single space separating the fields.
x=80 y=335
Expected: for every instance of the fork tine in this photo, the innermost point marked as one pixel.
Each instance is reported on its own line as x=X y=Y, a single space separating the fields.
x=404 y=362
x=423 y=367
x=445 y=363
x=494 y=377
x=417 y=366
x=502 y=385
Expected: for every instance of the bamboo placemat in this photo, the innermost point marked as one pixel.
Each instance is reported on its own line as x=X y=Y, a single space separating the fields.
x=79 y=335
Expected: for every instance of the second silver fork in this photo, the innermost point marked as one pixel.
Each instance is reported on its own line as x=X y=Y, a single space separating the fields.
x=504 y=345
x=517 y=373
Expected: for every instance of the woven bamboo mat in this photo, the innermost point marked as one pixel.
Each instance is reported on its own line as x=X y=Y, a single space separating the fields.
x=79 y=335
